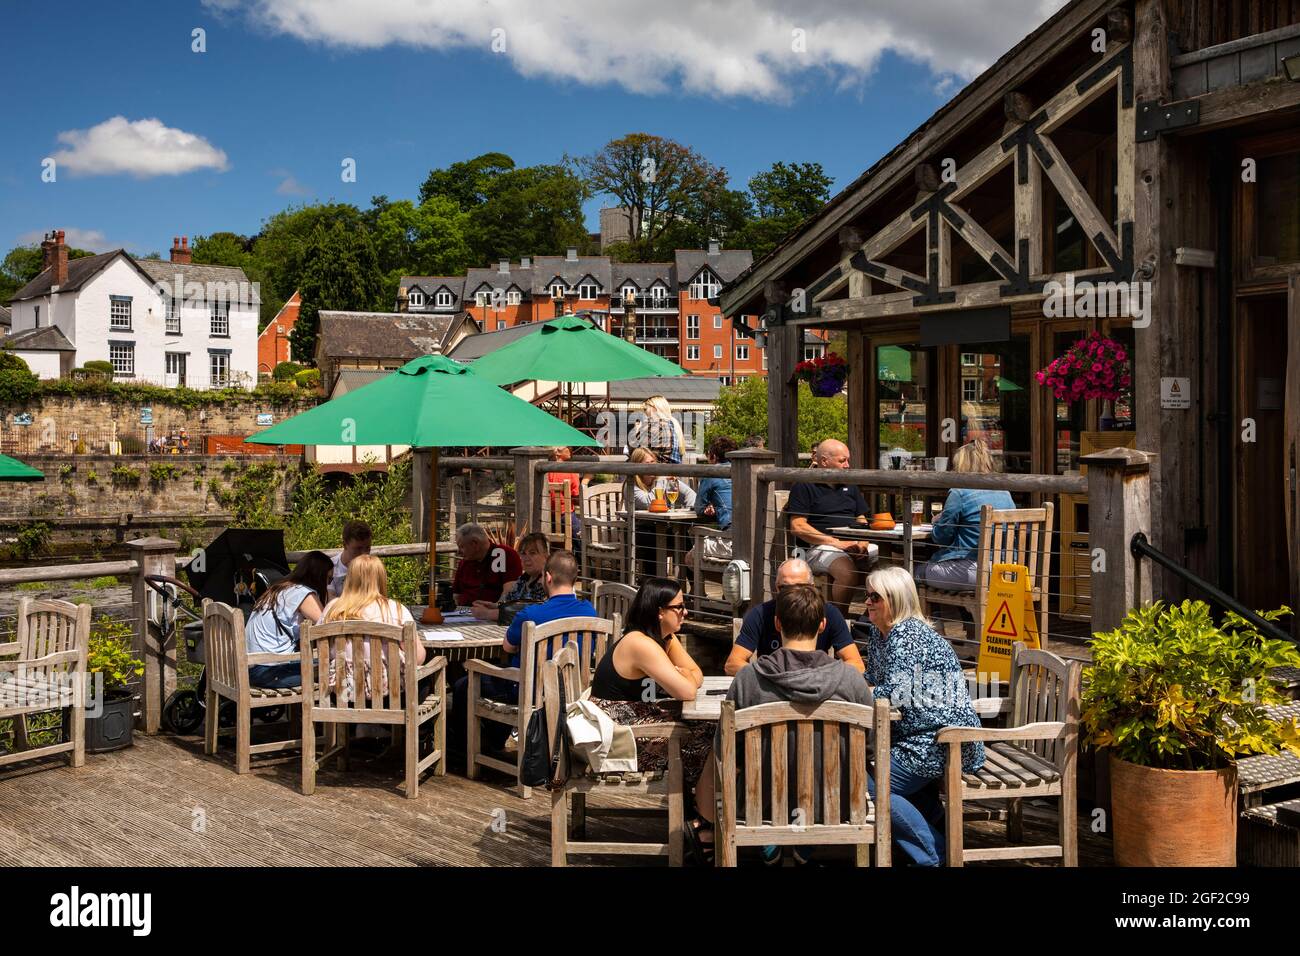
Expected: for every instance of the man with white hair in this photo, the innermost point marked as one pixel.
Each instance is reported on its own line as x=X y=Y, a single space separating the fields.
x=485 y=570
x=759 y=636
x=815 y=509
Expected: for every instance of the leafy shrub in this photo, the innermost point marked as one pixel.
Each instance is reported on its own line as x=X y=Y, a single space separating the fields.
x=65 y=472
x=162 y=471
x=125 y=475
x=91 y=477
x=100 y=365
x=741 y=412
x=18 y=383
x=285 y=371
x=110 y=654
x=1169 y=688
x=308 y=378
x=33 y=539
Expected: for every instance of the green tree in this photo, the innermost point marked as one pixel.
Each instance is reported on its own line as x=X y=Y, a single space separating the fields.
x=339 y=271
x=232 y=249
x=661 y=178
x=429 y=239
x=466 y=183
x=22 y=265
x=783 y=196
x=281 y=248
x=741 y=413
x=716 y=212
x=532 y=210
x=18 y=383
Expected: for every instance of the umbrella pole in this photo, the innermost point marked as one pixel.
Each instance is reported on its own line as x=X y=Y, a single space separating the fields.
x=433 y=518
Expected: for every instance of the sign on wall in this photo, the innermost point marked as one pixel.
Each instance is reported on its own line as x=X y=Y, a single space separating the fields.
x=146 y=415
x=265 y=418
x=23 y=418
x=1175 y=393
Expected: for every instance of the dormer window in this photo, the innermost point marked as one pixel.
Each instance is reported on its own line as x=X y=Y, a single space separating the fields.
x=588 y=291
x=444 y=299
x=631 y=293
x=513 y=297
x=483 y=298
x=557 y=290
x=415 y=299
x=705 y=285
x=659 y=297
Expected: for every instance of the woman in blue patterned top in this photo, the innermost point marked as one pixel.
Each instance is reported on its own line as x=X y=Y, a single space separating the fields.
x=916 y=669
x=953 y=568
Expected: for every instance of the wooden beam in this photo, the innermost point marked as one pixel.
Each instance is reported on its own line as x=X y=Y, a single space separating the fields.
x=1119 y=27
x=782 y=389
x=1076 y=197
x=859 y=369
x=927 y=177
x=979 y=240
x=1291 y=441
x=1017 y=107
x=1029 y=210
x=1241 y=104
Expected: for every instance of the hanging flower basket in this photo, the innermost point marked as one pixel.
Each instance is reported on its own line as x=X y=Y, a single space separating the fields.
x=1095 y=367
x=825 y=376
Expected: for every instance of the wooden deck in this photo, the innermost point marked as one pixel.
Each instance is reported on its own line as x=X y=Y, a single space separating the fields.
x=163 y=803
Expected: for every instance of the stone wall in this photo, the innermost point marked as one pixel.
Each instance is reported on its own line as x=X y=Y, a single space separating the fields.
x=95 y=422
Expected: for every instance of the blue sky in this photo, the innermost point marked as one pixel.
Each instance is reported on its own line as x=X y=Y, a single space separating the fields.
x=283 y=94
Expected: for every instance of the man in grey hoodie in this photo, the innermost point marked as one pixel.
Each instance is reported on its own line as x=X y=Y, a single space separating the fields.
x=797 y=672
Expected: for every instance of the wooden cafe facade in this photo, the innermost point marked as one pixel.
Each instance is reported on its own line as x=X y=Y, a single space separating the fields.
x=1131 y=169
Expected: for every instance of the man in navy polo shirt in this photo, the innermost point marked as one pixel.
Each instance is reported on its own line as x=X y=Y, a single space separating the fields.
x=758 y=634
x=815 y=510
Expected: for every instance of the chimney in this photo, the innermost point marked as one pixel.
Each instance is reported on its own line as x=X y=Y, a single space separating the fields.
x=525 y=262
x=181 y=250
x=47 y=251
x=715 y=247
x=503 y=267
x=572 y=254
x=402 y=299
x=57 y=254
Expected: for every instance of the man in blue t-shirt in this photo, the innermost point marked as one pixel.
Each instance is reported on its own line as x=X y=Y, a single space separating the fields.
x=560 y=576
x=758 y=634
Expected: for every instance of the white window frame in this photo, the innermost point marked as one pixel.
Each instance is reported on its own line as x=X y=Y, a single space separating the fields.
x=967 y=358
x=692 y=326
x=705 y=285
x=557 y=290
x=971 y=386
x=219 y=318
x=501 y=324
x=659 y=297
x=630 y=292
x=717 y=321
x=717 y=351
x=588 y=291
x=119 y=311
x=444 y=299
x=692 y=353
x=742 y=353
x=171 y=316
x=483 y=298
x=514 y=297
x=126 y=356
x=216 y=359
x=415 y=299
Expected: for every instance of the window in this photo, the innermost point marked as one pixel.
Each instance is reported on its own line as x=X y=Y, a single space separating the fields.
x=444 y=299
x=122 y=355
x=717 y=321
x=588 y=291
x=967 y=358
x=513 y=297
x=557 y=290
x=811 y=352
x=705 y=286
x=415 y=299
x=221 y=318
x=692 y=353
x=501 y=324
x=692 y=326
x=659 y=297
x=969 y=390
x=717 y=351
x=38 y=316
x=219 y=369
x=630 y=293
x=173 y=316
x=764 y=360
x=119 y=312
x=742 y=353
x=175 y=367
x=996 y=403
x=724 y=379
x=483 y=298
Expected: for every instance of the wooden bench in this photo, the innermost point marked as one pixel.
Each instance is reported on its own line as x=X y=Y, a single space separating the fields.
x=48 y=674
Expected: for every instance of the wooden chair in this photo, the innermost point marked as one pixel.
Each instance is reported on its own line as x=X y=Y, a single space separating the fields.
x=557 y=515
x=702 y=566
x=539 y=643
x=604 y=532
x=611 y=599
x=48 y=674
x=653 y=791
x=851 y=816
x=394 y=701
x=1014 y=536
x=1036 y=757
x=226 y=670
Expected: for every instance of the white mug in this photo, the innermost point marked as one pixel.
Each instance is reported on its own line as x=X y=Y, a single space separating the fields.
x=941 y=464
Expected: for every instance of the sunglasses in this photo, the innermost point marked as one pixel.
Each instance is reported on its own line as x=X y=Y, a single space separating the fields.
x=874 y=597
x=676 y=608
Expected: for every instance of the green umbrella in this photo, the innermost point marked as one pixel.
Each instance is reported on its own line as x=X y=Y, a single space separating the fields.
x=11 y=469
x=572 y=349
x=430 y=402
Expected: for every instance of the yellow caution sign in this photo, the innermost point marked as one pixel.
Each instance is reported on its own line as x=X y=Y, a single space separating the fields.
x=1008 y=617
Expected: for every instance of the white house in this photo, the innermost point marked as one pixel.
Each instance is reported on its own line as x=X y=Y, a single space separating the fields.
x=168 y=323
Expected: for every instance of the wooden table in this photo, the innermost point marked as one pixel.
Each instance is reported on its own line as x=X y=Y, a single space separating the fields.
x=479 y=641
x=903 y=534
x=663 y=520
x=706 y=705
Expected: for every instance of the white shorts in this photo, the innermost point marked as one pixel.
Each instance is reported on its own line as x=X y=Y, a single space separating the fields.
x=823 y=556
x=718 y=549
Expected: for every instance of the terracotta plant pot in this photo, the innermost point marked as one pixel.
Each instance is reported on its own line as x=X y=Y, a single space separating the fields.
x=1173 y=817
x=883 y=521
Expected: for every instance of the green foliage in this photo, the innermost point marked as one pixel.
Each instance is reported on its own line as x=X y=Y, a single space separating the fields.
x=161 y=472
x=467 y=182
x=1169 y=688
x=100 y=365
x=32 y=585
x=23 y=264
x=91 y=477
x=285 y=371
x=110 y=654
x=783 y=196
x=107 y=581
x=125 y=475
x=308 y=378
x=741 y=412
x=33 y=539
x=340 y=271
x=65 y=472
x=18 y=383
x=898 y=436
x=136 y=393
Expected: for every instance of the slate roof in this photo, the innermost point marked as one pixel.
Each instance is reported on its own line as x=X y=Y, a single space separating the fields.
x=49 y=338
x=642 y=274
x=726 y=265
x=682 y=388
x=379 y=335
x=476 y=346
x=430 y=285
x=6 y=317
x=160 y=270
x=546 y=268
x=522 y=279
x=80 y=271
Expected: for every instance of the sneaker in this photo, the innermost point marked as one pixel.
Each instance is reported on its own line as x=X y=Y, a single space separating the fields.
x=771 y=856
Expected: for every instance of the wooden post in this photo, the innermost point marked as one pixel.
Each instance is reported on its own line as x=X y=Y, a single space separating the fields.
x=419 y=493
x=782 y=389
x=528 y=487
x=433 y=516
x=1291 y=443
x=746 y=507
x=1119 y=506
x=153 y=556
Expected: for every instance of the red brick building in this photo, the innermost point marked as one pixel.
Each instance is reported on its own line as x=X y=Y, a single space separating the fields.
x=273 y=341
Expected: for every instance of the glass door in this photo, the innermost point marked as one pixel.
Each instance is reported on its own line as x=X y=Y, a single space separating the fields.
x=994 y=383
x=903 y=393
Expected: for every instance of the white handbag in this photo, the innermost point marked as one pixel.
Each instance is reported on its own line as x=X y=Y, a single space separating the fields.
x=606 y=746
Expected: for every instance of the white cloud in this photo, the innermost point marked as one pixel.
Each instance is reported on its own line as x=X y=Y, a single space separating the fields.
x=90 y=239
x=140 y=148
x=289 y=185
x=724 y=48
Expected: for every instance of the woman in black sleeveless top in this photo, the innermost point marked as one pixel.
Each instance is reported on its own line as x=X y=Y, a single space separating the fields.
x=644 y=674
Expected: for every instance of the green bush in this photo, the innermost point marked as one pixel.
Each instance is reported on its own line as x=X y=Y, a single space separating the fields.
x=18 y=383
x=33 y=539
x=162 y=471
x=1169 y=688
x=741 y=412
x=285 y=371
x=100 y=365
x=125 y=475
x=139 y=393
x=110 y=654
x=308 y=378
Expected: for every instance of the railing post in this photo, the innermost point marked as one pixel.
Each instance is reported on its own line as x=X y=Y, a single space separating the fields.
x=1119 y=506
x=746 y=508
x=527 y=487
x=153 y=556
x=420 y=494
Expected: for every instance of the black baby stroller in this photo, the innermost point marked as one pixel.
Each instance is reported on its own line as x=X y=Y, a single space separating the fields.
x=236 y=569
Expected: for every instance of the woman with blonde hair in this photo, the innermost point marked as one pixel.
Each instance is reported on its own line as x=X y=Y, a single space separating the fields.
x=663 y=434
x=365 y=598
x=953 y=569
x=913 y=667
x=643 y=490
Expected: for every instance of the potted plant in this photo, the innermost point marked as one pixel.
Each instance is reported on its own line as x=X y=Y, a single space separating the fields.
x=1093 y=367
x=825 y=375
x=1177 y=699
x=110 y=712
